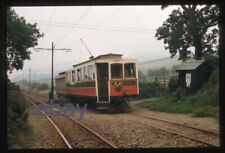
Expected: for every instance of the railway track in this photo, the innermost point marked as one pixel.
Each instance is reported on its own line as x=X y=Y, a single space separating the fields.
x=208 y=138
x=57 y=129
x=79 y=134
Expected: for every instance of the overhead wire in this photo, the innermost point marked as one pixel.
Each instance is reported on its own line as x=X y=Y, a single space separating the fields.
x=49 y=21
x=103 y=21
x=106 y=19
x=74 y=25
x=67 y=25
x=45 y=31
x=109 y=28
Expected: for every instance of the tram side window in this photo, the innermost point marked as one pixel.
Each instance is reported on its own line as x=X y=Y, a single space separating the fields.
x=90 y=72
x=93 y=67
x=82 y=74
x=73 y=72
x=68 y=76
x=85 y=72
x=75 y=75
x=78 y=74
x=129 y=70
x=116 y=71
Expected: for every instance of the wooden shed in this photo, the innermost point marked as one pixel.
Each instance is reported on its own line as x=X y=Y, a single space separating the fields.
x=192 y=74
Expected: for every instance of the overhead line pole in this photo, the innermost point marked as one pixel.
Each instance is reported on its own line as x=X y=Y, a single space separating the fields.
x=29 y=79
x=51 y=95
x=52 y=88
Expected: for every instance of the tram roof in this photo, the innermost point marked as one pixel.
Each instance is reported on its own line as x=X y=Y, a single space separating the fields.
x=105 y=56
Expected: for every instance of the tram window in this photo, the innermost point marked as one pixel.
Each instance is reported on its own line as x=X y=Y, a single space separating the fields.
x=78 y=75
x=93 y=66
x=129 y=70
x=90 y=72
x=82 y=74
x=68 y=77
x=116 y=70
x=85 y=72
x=73 y=72
x=75 y=75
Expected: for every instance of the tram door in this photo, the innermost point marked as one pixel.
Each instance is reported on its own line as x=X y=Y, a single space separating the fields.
x=103 y=77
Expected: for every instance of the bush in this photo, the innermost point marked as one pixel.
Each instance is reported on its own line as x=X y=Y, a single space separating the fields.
x=17 y=115
x=43 y=86
x=151 y=89
x=173 y=83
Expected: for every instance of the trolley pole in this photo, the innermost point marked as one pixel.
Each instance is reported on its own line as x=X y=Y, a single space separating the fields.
x=51 y=94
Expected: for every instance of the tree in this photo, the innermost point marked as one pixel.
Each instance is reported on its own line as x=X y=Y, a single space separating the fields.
x=141 y=76
x=190 y=27
x=20 y=37
x=163 y=71
x=43 y=86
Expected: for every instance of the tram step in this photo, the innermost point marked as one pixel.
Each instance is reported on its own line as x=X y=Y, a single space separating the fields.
x=103 y=102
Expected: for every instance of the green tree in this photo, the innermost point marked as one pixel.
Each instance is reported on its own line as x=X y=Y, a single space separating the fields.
x=190 y=26
x=163 y=71
x=20 y=37
x=141 y=76
x=43 y=86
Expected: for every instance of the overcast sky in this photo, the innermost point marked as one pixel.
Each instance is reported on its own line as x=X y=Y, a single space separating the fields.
x=129 y=30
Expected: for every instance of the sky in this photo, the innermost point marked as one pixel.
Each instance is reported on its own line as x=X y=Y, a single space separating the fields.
x=127 y=30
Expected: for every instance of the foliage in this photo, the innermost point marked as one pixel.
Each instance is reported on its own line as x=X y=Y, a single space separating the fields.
x=150 y=89
x=204 y=102
x=20 y=37
x=190 y=27
x=162 y=72
x=173 y=83
x=141 y=76
x=17 y=115
x=206 y=111
x=39 y=86
x=158 y=72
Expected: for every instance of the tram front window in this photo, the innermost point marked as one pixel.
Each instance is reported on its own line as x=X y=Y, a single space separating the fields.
x=116 y=71
x=129 y=70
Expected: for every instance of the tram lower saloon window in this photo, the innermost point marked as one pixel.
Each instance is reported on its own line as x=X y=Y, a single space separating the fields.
x=129 y=70
x=116 y=70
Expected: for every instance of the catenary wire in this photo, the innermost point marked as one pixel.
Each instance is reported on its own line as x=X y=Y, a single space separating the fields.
x=74 y=25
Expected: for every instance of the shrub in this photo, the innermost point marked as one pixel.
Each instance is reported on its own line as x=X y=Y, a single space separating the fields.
x=17 y=115
x=173 y=83
x=151 y=89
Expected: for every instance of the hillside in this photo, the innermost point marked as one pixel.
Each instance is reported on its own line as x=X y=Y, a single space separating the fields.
x=158 y=63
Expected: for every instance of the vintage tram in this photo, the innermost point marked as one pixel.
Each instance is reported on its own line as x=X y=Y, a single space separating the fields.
x=107 y=80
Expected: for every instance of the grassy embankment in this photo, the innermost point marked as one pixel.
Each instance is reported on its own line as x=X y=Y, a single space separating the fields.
x=18 y=129
x=204 y=103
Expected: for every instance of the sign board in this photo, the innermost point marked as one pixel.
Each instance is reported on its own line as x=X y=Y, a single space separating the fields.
x=188 y=79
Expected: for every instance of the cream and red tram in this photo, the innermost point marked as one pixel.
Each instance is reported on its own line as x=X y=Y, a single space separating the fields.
x=107 y=79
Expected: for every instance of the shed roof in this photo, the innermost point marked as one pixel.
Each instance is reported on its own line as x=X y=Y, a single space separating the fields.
x=190 y=65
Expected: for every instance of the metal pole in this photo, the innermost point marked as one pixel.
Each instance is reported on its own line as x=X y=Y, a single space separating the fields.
x=52 y=87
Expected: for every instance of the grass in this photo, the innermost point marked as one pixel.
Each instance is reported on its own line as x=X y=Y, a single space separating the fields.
x=167 y=104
